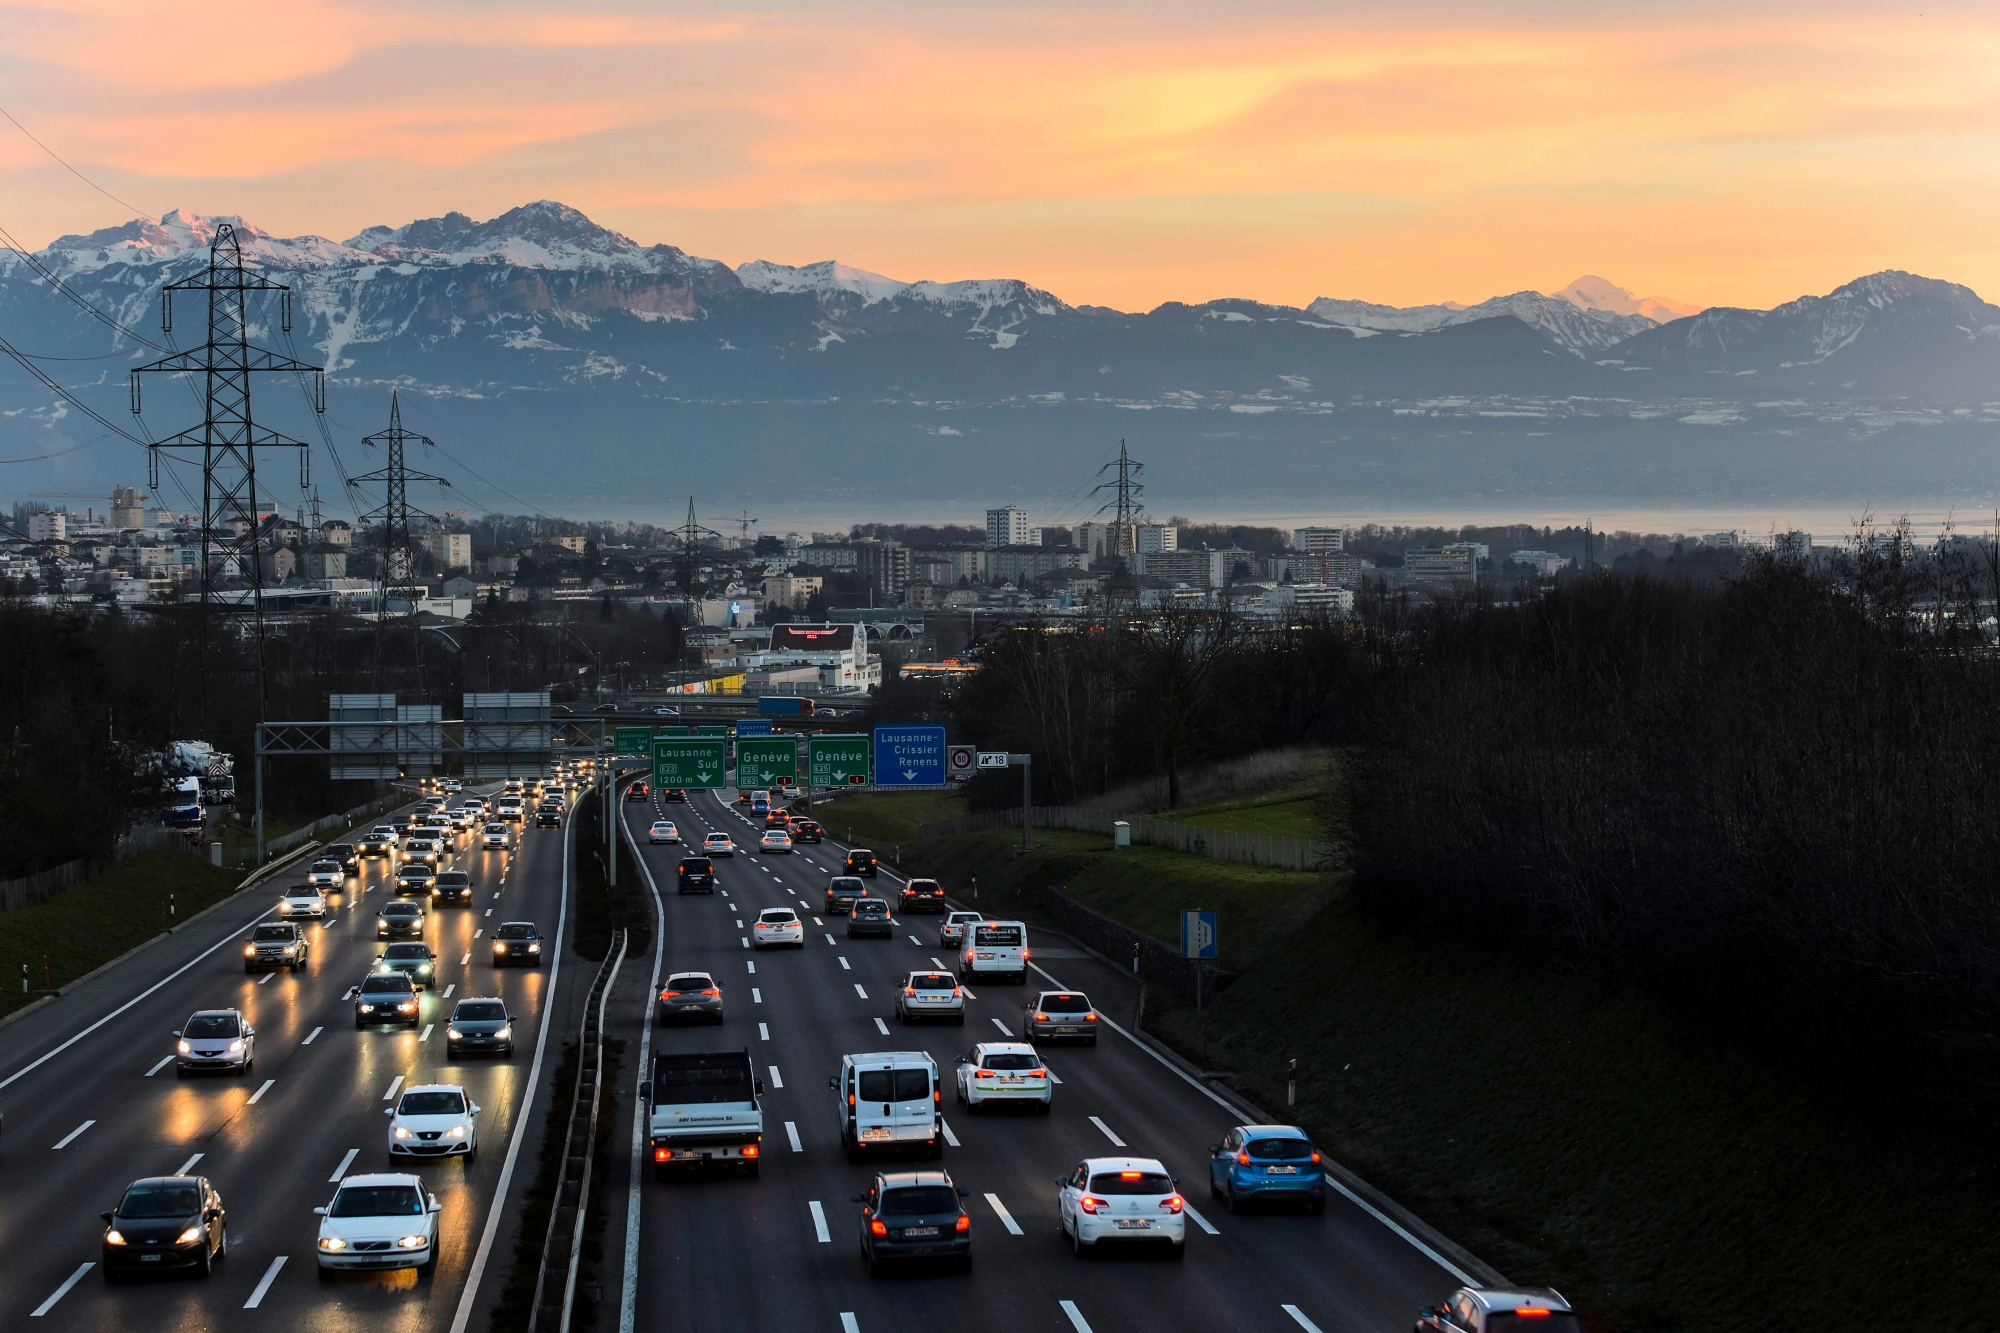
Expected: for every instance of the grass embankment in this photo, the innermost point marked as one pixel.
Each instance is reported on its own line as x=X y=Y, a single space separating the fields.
x=84 y=927
x=885 y=817
x=1567 y=1130
x=1291 y=811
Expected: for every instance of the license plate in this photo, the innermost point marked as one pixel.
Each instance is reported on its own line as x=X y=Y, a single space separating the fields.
x=920 y=1231
x=1071 y=1028
x=1133 y=1223
x=689 y=1008
x=881 y=1133
x=986 y=955
x=1283 y=1170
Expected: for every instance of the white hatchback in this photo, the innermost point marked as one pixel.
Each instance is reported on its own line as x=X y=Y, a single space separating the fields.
x=1004 y=1071
x=777 y=926
x=434 y=1120
x=384 y=1220
x=718 y=844
x=951 y=931
x=1121 y=1200
x=663 y=830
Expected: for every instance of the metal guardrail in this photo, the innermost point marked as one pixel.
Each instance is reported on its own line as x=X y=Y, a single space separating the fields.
x=1152 y=960
x=555 y=1279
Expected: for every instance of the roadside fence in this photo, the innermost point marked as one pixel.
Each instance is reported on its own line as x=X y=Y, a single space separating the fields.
x=1160 y=963
x=45 y=884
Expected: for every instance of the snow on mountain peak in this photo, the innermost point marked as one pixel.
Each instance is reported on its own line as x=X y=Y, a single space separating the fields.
x=1581 y=330
x=1591 y=292
x=822 y=279
x=544 y=234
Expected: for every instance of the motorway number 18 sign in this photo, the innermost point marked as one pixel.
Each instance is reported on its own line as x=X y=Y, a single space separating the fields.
x=837 y=761
x=767 y=761
x=691 y=762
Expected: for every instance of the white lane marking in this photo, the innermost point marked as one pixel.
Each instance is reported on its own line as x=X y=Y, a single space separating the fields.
x=71 y=1136
x=914 y=940
x=1115 y=1140
x=829 y=938
x=264 y=1283
x=752 y=966
x=1199 y=1220
x=745 y=939
x=803 y=903
x=341 y=1170
x=397 y=1082
x=1005 y=1030
x=858 y=991
x=164 y=1062
x=968 y=991
x=476 y=934
x=777 y=1079
x=188 y=1165
x=465 y=961
x=266 y=977
x=63 y=1290
x=1076 y=1319
x=1006 y=1218
x=628 y=1301
x=949 y=1137
x=881 y=1027
x=1299 y=1318
x=848 y=1323
x=1353 y=1198
x=1052 y=1074
x=792 y=1134
x=756 y=996
x=448 y=990
x=739 y=924
x=350 y=992
x=258 y=1095
x=763 y=1032
x=844 y=965
x=489 y=911
x=425 y=1035
x=820 y=923
x=819 y=1223
x=310 y=1035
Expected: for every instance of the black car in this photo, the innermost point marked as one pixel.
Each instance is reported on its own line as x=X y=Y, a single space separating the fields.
x=674 y=794
x=517 y=942
x=479 y=1025
x=345 y=853
x=914 y=1215
x=869 y=916
x=386 y=997
x=697 y=875
x=860 y=861
x=636 y=792
x=148 y=1230
x=399 y=919
x=923 y=895
x=806 y=830
x=549 y=816
x=453 y=888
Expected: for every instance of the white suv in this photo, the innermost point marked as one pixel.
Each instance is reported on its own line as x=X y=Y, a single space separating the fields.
x=386 y=1220
x=1114 y=1200
x=434 y=1120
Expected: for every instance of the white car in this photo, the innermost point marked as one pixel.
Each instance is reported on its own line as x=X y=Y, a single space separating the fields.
x=325 y=875
x=463 y=817
x=1120 y=1200
x=434 y=1120
x=774 y=840
x=496 y=837
x=778 y=925
x=718 y=844
x=454 y=786
x=386 y=1220
x=1004 y=1071
x=663 y=831
x=302 y=901
x=951 y=934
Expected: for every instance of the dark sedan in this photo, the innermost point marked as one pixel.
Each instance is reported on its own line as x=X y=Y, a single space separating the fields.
x=517 y=942
x=386 y=997
x=870 y=916
x=914 y=1215
x=479 y=1026
x=165 y=1222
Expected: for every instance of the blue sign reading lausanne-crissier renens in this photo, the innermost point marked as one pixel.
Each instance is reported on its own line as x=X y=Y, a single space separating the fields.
x=909 y=756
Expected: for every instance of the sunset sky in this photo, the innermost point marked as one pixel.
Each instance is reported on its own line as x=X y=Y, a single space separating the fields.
x=1124 y=154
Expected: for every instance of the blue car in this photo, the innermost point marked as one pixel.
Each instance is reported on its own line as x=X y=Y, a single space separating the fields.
x=1267 y=1164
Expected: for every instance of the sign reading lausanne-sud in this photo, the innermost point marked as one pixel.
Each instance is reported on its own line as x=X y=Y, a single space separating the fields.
x=909 y=755
x=837 y=761
x=691 y=762
x=767 y=761
x=632 y=745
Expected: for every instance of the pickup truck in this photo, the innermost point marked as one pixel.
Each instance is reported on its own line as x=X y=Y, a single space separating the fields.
x=704 y=1108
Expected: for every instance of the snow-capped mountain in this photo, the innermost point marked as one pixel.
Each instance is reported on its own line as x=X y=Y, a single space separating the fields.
x=1579 y=329
x=1595 y=293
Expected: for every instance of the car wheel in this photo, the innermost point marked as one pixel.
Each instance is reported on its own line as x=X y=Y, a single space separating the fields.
x=222 y=1250
x=110 y=1276
x=1076 y=1245
x=1046 y=1107
x=472 y=1154
x=1092 y=1041
x=1316 y=1207
x=429 y=1265
x=754 y=1169
x=1229 y=1196
x=180 y=1071
x=206 y=1264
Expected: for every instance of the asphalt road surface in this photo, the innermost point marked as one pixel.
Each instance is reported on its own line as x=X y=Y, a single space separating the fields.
x=92 y=1102
x=781 y=1252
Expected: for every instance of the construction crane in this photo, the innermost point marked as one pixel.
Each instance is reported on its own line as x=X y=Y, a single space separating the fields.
x=743 y=520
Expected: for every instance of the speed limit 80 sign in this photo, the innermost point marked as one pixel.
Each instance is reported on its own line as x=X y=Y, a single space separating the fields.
x=960 y=762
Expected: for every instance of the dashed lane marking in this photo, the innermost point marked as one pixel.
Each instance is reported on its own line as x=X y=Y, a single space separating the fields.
x=756 y=996
x=751 y=965
x=1299 y=1318
x=763 y=1032
x=188 y=1165
x=266 y=977
x=914 y=940
x=396 y=1084
x=258 y=1095
x=1006 y=1218
x=164 y=1062
x=1115 y=1140
x=777 y=1079
x=425 y=1035
x=882 y=1027
x=448 y=990
x=310 y=1035
x=341 y=1170
x=465 y=961
x=744 y=940
x=264 y=1283
x=844 y=966
x=60 y=1292
x=1200 y=1221
x=1004 y=1029
x=859 y=991
x=824 y=1236
x=70 y=1137
x=949 y=1137
x=829 y=939
x=1076 y=1319
x=792 y=1135
x=848 y=1323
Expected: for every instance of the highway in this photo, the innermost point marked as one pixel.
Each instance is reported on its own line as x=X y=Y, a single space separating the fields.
x=781 y=1252
x=92 y=1102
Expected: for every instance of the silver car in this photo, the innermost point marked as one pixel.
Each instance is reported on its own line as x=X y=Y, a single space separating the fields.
x=215 y=1039
x=496 y=838
x=1060 y=1015
x=326 y=875
x=933 y=996
x=951 y=934
x=690 y=995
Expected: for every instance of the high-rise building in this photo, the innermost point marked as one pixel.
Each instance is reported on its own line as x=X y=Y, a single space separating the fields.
x=128 y=508
x=1008 y=526
x=884 y=563
x=1151 y=537
x=48 y=526
x=1319 y=541
x=1442 y=564
x=451 y=550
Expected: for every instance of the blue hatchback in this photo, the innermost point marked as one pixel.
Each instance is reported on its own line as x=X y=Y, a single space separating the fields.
x=1273 y=1163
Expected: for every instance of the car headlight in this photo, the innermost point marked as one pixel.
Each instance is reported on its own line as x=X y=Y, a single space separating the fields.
x=186 y=1049
x=456 y=1132
x=190 y=1236
x=506 y=1033
x=367 y=1008
x=499 y=946
x=423 y=967
x=114 y=1237
x=332 y=1244
x=249 y=951
x=402 y=1133
x=236 y=1047
x=408 y=1006
x=534 y=948
x=284 y=909
x=412 y=1242
x=453 y=1034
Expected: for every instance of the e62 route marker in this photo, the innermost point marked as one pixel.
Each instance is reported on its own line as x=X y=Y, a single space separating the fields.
x=767 y=761
x=837 y=761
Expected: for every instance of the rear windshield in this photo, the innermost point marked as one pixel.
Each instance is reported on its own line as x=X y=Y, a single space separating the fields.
x=160 y=1201
x=1065 y=1004
x=680 y=985
x=870 y=907
x=697 y=867
x=513 y=932
x=479 y=1011
x=1131 y=1182
x=387 y=983
x=846 y=885
x=919 y=1200
x=1010 y=1061
x=432 y=1103
x=1280 y=1150
x=377 y=1201
x=895 y=1085
x=933 y=981
x=923 y=886
x=416 y=870
x=779 y=916
x=211 y=1025
x=673 y=1087
x=1557 y=1322
x=1004 y=936
x=408 y=951
x=276 y=934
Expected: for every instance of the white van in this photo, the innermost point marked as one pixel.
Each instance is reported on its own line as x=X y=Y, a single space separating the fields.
x=994 y=948
x=888 y=1100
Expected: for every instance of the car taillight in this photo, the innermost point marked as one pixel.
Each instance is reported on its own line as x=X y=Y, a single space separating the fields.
x=662 y=1154
x=1090 y=1203
x=1315 y=1158
x=937 y=1094
x=1038 y=1073
x=1172 y=1203
x=1531 y=1312
x=1024 y=954
x=712 y=993
x=982 y=1073
x=878 y=1226
x=909 y=990
x=957 y=994
x=1243 y=1158
x=1041 y=1018
x=749 y=1150
x=964 y=1222
x=1090 y=1017
x=850 y=1099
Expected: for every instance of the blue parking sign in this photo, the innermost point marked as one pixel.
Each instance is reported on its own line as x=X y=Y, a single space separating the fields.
x=909 y=755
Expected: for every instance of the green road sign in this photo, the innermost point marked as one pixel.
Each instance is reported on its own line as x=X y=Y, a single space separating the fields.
x=689 y=762
x=836 y=761
x=711 y=731
x=632 y=744
x=767 y=761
